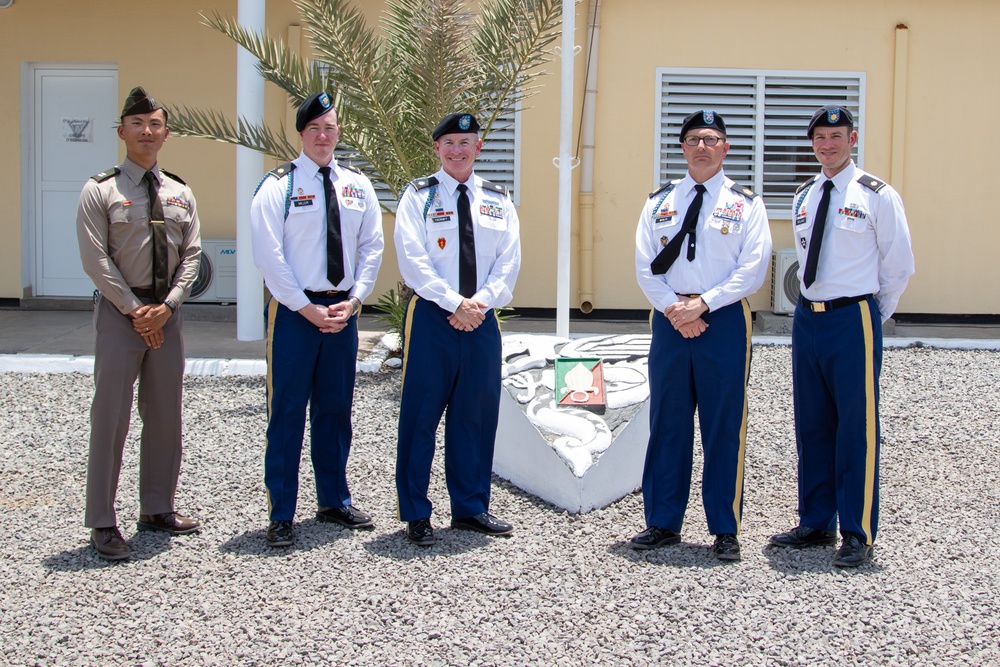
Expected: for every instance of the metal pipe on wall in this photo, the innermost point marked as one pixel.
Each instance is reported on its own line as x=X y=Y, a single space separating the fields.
x=899 y=77
x=589 y=121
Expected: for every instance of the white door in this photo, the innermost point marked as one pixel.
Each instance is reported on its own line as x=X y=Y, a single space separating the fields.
x=75 y=114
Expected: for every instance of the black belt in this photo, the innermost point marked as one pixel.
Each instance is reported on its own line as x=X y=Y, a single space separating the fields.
x=329 y=294
x=833 y=304
x=142 y=292
x=689 y=296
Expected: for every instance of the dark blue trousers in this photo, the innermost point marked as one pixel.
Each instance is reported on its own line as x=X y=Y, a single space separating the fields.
x=836 y=363
x=457 y=374
x=708 y=372
x=305 y=366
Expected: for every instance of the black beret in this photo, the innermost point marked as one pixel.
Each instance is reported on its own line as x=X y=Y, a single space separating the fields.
x=703 y=118
x=455 y=123
x=138 y=102
x=832 y=115
x=312 y=108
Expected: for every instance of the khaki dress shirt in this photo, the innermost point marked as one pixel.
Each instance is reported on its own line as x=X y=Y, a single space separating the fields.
x=116 y=244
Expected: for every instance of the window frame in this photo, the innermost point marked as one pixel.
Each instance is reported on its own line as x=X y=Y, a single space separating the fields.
x=752 y=137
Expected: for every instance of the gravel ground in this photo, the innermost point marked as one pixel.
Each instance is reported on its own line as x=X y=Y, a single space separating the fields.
x=564 y=590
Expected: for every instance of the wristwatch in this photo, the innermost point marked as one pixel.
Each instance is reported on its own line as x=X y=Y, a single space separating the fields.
x=169 y=303
x=356 y=303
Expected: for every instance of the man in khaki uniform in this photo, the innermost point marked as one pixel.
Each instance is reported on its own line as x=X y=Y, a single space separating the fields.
x=139 y=237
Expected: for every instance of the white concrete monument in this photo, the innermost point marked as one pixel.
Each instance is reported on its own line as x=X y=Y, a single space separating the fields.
x=572 y=457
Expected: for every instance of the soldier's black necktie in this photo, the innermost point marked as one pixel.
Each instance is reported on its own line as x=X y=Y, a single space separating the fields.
x=669 y=254
x=334 y=244
x=161 y=284
x=466 y=245
x=816 y=240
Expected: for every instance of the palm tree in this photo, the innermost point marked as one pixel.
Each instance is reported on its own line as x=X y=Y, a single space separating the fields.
x=432 y=58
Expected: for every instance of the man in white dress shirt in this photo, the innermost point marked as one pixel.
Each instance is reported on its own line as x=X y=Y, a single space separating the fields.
x=457 y=240
x=316 y=228
x=702 y=247
x=855 y=259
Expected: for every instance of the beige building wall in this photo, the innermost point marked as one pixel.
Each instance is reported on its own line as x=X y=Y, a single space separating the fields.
x=941 y=168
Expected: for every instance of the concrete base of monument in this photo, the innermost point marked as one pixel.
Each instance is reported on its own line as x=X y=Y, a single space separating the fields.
x=574 y=458
x=528 y=461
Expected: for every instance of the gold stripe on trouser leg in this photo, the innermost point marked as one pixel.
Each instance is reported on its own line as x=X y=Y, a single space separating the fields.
x=407 y=327
x=652 y=311
x=738 y=495
x=870 y=417
x=272 y=314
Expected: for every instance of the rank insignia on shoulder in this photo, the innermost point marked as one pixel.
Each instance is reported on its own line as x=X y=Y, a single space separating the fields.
x=281 y=170
x=495 y=187
x=351 y=167
x=745 y=191
x=106 y=174
x=173 y=176
x=807 y=184
x=871 y=183
x=666 y=187
x=424 y=183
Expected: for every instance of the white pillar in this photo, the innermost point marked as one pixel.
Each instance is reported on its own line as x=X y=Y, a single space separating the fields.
x=249 y=169
x=565 y=164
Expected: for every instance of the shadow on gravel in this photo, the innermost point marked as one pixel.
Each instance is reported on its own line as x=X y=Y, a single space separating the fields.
x=309 y=534
x=685 y=554
x=142 y=545
x=450 y=542
x=816 y=559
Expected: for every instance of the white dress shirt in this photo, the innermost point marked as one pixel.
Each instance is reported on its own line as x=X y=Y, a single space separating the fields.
x=427 y=242
x=732 y=248
x=291 y=252
x=866 y=242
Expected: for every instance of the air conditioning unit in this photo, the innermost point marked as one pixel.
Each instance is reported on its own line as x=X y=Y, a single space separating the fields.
x=216 y=281
x=784 y=281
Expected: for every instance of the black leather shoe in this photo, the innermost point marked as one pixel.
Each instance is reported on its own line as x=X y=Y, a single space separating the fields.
x=726 y=547
x=653 y=537
x=279 y=534
x=801 y=537
x=853 y=551
x=171 y=522
x=348 y=517
x=420 y=532
x=109 y=543
x=484 y=523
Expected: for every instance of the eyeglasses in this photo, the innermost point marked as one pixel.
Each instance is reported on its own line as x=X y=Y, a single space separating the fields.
x=709 y=141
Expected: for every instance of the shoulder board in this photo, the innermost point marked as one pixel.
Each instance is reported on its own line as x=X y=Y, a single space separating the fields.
x=807 y=184
x=350 y=167
x=871 y=182
x=106 y=174
x=743 y=190
x=496 y=187
x=173 y=176
x=665 y=188
x=424 y=183
x=281 y=170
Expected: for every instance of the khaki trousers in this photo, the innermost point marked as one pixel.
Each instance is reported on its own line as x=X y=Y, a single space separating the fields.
x=121 y=357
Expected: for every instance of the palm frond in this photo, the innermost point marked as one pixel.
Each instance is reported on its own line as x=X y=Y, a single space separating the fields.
x=431 y=58
x=187 y=122
x=275 y=61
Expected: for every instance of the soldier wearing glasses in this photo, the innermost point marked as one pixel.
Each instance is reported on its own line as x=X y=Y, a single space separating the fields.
x=702 y=247
x=854 y=251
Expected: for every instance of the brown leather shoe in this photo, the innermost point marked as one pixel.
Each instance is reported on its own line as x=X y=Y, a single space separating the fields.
x=171 y=522
x=108 y=543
